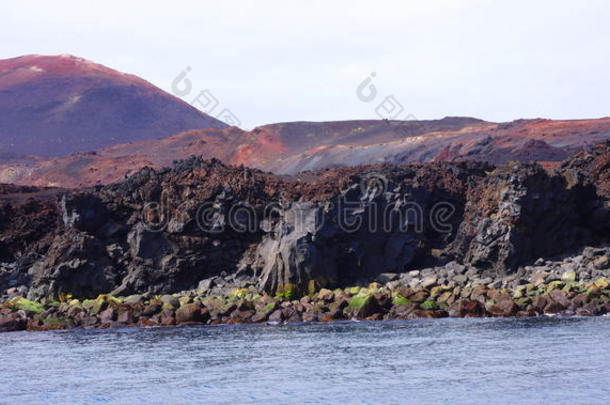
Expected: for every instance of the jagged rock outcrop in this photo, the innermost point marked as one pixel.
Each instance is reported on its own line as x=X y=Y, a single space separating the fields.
x=594 y=165
x=384 y=221
x=165 y=231
x=75 y=263
x=519 y=212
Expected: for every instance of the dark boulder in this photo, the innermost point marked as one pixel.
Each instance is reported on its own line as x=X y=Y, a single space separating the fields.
x=189 y=313
x=465 y=308
x=503 y=308
x=12 y=322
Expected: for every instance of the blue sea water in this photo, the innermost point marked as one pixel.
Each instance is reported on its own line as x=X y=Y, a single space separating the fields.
x=453 y=361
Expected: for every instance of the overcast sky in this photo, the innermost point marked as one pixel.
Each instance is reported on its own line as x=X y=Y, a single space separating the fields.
x=271 y=61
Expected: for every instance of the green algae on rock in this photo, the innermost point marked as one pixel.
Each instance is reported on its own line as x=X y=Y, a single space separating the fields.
x=374 y=302
x=28 y=306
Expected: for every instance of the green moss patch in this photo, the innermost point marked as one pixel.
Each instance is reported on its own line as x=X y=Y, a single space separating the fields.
x=429 y=305
x=602 y=282
x=400 y=300
x=52 y=322
x=554 y=285
x=358 y=301
x=353 y=290
x=287 y=292
x=102 y=302
x=28 y=306
x=239 y=293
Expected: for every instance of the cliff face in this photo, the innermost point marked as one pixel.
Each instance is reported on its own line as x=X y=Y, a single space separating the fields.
x=163 y=231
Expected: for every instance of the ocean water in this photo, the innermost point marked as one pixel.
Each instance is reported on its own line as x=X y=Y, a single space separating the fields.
x=545 y=360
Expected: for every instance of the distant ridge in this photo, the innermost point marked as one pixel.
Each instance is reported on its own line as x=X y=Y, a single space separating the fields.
x=293 y=147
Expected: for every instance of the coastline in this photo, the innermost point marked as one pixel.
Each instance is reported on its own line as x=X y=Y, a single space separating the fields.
x=392 y=301
x=207 y=243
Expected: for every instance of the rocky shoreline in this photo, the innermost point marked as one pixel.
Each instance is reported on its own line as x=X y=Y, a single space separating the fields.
x=233 y=244
x=568 y=287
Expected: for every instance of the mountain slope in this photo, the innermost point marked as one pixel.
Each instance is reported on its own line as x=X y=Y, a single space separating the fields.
x=56 y=105
x=453 y=138
x=289 y=148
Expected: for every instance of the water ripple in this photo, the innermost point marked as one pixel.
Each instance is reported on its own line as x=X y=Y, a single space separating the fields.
x=559 y=360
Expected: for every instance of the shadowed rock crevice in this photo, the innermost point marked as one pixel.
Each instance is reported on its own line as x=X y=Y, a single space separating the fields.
x=520 y=213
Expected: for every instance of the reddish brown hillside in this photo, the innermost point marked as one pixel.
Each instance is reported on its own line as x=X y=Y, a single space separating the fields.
x=295 y=147
x=57 y=105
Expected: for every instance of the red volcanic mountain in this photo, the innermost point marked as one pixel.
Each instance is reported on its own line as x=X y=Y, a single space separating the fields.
x=293 y=147
x=56 y=105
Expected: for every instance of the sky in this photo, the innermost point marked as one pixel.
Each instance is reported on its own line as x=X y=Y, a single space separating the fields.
x=277 y=61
